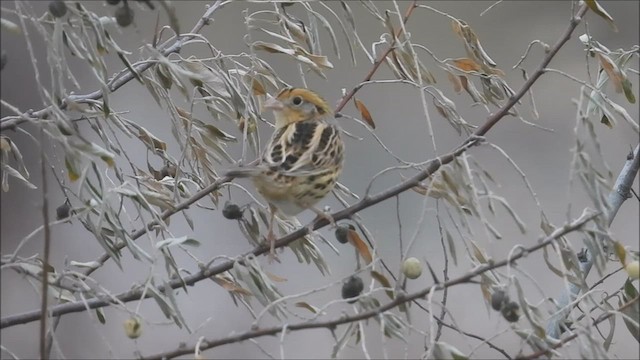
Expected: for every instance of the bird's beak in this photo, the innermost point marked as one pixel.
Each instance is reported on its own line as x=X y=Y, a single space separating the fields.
x=273 y=104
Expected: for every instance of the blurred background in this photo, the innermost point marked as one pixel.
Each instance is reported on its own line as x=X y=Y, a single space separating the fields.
x=545 y=157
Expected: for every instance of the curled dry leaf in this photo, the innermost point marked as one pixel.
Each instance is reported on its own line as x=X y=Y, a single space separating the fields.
x=364 y=112
x=612 y=70
x=360 y=246
x=466 y=64
x=231 y=286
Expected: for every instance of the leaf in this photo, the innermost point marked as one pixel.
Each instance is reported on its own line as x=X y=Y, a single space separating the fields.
x=9 y=26
x=100 y=315
x=272 y=48
x=600 y=11
x=452 y=247
x=466 y=64
x=171 y=13
x=257 y=87
x=362 y=248
x=628 y=92
x=304 y=305
x=88 y=264
x=274 y=277
x=605 y=120
x=71 y=170
x=219 y=134
x=231 y=286
x=16 y=174
x=443 y=350
x=612 y=70
x=183 y=240
x=478 y=253
x=364 y=112
x=126 y=62
x=384 y=282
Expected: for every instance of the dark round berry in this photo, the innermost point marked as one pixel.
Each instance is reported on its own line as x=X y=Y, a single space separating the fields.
x=62 y=211
x=57 y=8
x=124 y=16
x=498 y=299
x=342 y=233
x=3 y=59
x=113 y=2
x=352 y=288
x=231 y=211
x=511 y=311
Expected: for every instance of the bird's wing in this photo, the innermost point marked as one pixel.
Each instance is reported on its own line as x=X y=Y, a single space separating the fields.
x=304 y=148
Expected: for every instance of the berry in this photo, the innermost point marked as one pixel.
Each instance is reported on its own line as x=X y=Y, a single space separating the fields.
x=633 y=269
x=124 y=16
x=57 y=8
x=133 y=328
x=352 y=288
x=412 y=268
x=498 y=299
x=62 y=211
x=231 y=211
x=342 y=233
x=511 y=311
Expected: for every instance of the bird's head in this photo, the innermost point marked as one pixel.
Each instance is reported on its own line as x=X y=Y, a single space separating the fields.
x=293 y=104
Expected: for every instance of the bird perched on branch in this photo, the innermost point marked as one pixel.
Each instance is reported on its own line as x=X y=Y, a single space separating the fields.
x=303 y=159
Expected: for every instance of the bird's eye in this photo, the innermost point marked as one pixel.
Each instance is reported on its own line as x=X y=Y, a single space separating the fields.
x=296 y=100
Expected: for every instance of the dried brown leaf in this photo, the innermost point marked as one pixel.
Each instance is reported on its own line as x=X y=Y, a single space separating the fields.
x=466 y=64
x=360 y=245
x=612 y=70
x=231 y=286
x=364 y=112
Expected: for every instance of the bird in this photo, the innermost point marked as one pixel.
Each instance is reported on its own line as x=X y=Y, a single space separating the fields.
x=303 y=159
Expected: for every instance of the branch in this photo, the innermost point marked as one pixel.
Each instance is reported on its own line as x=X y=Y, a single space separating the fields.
x=12 y=122
x=366 y=202
x=620 y=192
x=400 y=298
